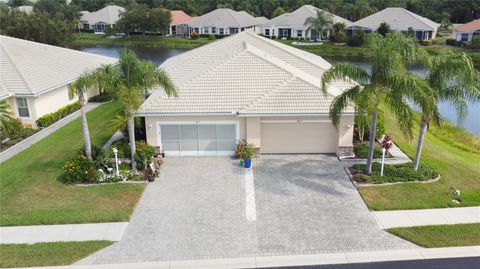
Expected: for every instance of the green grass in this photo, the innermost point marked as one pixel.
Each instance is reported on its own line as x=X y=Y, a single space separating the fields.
x=32 y=193
x=47 y=254
x=141 y=41
x=441 y=235
x=452 y=151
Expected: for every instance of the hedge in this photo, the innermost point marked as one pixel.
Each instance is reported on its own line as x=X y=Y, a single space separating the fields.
x=103 y=97
x=394 y=173
x=49 y=119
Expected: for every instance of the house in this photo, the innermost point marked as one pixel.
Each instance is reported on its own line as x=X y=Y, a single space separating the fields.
x=467 y=31
x=96 y=21
x=26 y=9
x=246 y=87
x=35 y=78
x=293 y=24
x=399 y=20
x=222 y=21
x=177 y=26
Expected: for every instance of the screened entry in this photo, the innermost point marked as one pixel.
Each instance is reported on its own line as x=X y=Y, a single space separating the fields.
x=198 y=139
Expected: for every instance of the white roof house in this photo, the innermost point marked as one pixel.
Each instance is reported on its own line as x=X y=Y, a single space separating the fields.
x=292 y=24
x=249 y=80
x=26 y=9
x=37 y=73
x=223 y=21
x=108 y=15
x=399 y=20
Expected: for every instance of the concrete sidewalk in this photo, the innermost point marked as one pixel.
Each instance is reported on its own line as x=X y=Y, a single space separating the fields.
x=421 y=217
x=298 y=260
x=112 y=231
x=29 y=141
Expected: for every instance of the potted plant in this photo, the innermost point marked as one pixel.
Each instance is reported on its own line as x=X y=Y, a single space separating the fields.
x=249 y=152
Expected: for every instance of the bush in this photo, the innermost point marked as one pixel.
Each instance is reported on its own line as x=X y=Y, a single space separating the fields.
x=395 y=173
x=438 y=41
x=194 y=35
x=475 y=43
x=80 y=169
x=103 y=97
x=426 y=42
x=356 y=39
x=49 y=119
x=361 y=150
x=143 y=154
x=211 y=37
x=451 y=42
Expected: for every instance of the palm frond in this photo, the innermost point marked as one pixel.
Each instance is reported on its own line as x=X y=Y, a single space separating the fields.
x=345 y=72
x=350 y=97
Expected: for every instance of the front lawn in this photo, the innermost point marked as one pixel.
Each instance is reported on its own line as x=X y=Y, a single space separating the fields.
x=32 y=192
x=451 y=151
x=437 y=236
x=393 y=173
x=47 y=254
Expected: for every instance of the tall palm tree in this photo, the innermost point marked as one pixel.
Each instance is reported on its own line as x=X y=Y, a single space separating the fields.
x=321 y=23
x=106 y=78
x=389 y=83
x=6 y=118
x=79 y=88
x=455 y=80
x=137 y=78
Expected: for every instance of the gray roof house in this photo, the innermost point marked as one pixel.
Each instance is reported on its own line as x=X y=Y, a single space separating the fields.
x=399 y=20
x=97 y=20
x=292 y=24
x=246 y=86
x=223 y=21
x=35 y=77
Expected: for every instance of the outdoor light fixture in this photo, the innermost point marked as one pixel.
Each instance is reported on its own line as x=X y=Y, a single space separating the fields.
x=349 y=126
x=150 y=126
x=115 y=152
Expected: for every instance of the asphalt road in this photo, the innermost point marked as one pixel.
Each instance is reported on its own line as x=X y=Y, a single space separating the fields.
x=451 y=263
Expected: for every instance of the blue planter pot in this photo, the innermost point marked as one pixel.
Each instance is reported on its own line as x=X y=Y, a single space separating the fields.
x=248 y=163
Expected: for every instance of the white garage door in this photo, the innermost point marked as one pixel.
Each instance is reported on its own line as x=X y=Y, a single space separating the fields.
x=198 y=139
x=298 y=137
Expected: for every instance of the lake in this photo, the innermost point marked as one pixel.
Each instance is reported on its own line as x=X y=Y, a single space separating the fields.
x=159 y=55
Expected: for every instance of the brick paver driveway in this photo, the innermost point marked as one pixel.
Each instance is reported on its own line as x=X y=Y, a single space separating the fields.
x=304 y=204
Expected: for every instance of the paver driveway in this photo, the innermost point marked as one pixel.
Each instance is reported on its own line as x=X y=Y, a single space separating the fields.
x=304 y=204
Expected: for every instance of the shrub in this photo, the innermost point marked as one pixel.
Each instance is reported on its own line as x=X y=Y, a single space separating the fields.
x=80 y=169
x=438 y=41
x=356 y=39
x=451 y=42
x=361 y=150
x=475 y=43
x=103 y=97
x=51 y=118
x=211 y=37
x=426 y=42
x=396 y=173
x=247 y=151
x=194 y=35
x=143 y=154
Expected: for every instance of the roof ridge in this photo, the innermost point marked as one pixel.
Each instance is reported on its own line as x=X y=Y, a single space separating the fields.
x=267 y=93
x=416 y=16
x=16 y=68
x=230 y=12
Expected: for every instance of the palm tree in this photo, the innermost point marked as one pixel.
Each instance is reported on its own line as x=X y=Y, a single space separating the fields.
x=79 y=88
x=137 y=78
x=106 y=78
x=320 y=23
x=389 y=84
x=455 y=80
x=6 y=118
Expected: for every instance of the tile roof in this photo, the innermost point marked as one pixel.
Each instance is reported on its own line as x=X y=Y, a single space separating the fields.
x=109 y=15
x=29 y=68
x=245 y=74
x=469 y=27
x=179 y=17
x=398 y=18
x=223 y=17
x=296 y=19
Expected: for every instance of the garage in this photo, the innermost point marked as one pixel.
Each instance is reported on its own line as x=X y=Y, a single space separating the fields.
x=198 y=138
x=296 y=136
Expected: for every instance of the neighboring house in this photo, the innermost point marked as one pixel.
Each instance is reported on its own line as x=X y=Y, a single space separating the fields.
x=467 y=31
x=246 y=87
x=96 y=21
x=222 y=21
x=293 y=24
x=177 y=26
x=399 y=20
x=35 y=78
x=26 y=9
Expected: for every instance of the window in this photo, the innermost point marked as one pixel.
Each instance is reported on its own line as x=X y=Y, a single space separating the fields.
x=69 y=92
x=205 y=30
x=22 y=106
x=299 y=33
x=214 y=30
x=267 y=32
x=220 y=31
x=464 y=37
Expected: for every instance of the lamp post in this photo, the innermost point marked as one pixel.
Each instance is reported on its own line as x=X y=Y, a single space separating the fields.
x=115 y=152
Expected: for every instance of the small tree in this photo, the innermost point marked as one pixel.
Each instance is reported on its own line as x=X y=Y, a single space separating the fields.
x=383 y=29
x=6 y=119
x=338 y=34
x=321 y=22
x=278 y=11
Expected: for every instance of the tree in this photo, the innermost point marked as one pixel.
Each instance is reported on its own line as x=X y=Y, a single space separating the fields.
x=383 y=29
x=6 y=118
x=278 y=11
x=158 y=20
x=455 y=80
x=338 y=34
x=389 y=84
x=134 y=18
x=79 y=88
x=321 y=23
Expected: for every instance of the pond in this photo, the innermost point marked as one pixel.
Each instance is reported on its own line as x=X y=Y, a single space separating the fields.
x=159 y=55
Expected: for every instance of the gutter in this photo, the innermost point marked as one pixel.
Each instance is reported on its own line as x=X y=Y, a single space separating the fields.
x=238 y=114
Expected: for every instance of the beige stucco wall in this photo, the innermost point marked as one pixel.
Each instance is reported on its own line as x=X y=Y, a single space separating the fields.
x=295 y=137
x=12 y=102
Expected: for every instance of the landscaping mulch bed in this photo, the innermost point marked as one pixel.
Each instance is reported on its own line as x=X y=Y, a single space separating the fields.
x=393 y=173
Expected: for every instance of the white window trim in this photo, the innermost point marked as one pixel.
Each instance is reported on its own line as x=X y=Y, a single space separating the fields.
x=197 y=153
x=28 y=107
